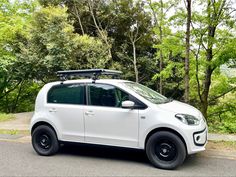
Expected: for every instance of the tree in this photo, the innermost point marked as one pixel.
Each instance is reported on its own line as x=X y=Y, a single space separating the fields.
x=14 y=19
x=187 y=51
x=161 y=27
x=211 y=35
x=54 y=46
x=137 y=28
x=111 y=21
x=103 y=34
x=51 y=43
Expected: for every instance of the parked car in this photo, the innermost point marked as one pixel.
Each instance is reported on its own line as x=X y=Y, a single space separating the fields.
x=116 y=112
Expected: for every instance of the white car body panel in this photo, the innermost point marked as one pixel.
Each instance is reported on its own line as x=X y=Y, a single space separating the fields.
x=111 y=126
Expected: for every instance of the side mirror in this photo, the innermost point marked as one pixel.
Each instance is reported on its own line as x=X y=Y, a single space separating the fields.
x=127 y=104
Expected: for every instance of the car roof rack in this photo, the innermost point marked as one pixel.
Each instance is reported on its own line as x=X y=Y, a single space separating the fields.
x=91 y=73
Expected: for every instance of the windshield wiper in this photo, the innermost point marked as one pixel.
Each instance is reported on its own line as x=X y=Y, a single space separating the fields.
x=170 y=99
x=167 y=100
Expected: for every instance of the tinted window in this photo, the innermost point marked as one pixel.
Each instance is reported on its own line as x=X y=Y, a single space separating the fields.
x=67 y=94
x=106 y=95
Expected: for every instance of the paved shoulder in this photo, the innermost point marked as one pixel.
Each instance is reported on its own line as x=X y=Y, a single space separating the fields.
x=19 y=159
x=221 y=137
x=21 y=122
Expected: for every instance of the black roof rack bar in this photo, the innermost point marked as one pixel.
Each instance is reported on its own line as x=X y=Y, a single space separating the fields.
x=91 y=73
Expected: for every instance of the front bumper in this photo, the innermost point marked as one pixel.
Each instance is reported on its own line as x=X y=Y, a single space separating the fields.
x=200 y=137
x=197 y=138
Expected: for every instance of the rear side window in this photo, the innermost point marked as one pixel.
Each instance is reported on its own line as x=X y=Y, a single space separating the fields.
x=67 y=94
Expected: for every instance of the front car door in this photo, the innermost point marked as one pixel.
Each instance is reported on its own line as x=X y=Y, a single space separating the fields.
x=105 y=121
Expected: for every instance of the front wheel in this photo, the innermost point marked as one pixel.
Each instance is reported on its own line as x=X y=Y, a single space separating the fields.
x=165 y=150
x=44 y=140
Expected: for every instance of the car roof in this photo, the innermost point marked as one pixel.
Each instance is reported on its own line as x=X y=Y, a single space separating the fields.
x=104 y=81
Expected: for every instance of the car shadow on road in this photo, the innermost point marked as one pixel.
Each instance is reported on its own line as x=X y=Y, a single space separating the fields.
x=117 y=153
x=105 y=152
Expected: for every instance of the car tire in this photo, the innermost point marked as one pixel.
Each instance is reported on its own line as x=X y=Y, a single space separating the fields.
x=44 y=140
x=165 y=150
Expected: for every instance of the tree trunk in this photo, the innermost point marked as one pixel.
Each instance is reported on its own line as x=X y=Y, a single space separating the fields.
x=160 y=69
x=79 y=19
x=161 y=54
x=213 y=17
x=209 y=70
x=102 y=32
x=187 y=52
x=205 y=93
x=161 y=62
x=135 y=62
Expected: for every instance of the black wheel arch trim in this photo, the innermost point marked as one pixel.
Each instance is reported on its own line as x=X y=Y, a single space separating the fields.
x=43 y=123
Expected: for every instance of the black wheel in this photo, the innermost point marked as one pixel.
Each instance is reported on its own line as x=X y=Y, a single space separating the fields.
x=165 y=150
x=44 y=140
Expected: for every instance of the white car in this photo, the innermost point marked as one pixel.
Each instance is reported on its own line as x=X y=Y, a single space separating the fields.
x=116 y=112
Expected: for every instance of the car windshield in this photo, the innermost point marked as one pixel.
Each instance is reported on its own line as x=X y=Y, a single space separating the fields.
x=147 y=93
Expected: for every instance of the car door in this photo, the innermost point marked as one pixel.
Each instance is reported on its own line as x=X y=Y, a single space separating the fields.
x=65 y=104
x=106 y=122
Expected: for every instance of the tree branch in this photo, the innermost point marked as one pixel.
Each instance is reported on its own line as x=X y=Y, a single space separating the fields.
x=78 y=17
x=219 y=96
x=10 y=90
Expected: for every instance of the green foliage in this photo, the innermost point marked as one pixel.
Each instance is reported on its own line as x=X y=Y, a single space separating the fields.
x=22 y=98
x=36 y=40
x=222 y=114
x=50 y=43
x=54 y=46
x=6 y=117
x=47 y=45
x=228 y=53
x=90 y=53
x=15 y=17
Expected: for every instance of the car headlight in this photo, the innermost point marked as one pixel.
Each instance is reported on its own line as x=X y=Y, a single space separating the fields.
x=188 y=119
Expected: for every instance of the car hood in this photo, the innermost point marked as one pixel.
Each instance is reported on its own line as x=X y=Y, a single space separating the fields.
x=181 y=108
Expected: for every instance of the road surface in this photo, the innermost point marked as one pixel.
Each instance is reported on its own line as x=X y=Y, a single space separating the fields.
x=19 y=159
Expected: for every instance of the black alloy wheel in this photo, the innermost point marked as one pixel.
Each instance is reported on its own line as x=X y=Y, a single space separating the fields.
x=165 y=150
x=44 y=140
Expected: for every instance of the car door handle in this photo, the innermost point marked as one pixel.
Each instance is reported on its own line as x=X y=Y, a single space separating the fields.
x=89 y=113
x=52 y=110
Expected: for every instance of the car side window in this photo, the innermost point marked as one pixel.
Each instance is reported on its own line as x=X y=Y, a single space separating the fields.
x=67 y=94
x=106 y=95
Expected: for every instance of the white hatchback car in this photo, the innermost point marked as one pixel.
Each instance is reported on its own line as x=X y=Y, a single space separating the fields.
x=116 y=112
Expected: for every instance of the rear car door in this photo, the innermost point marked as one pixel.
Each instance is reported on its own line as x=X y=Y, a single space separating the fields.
x=65 y=104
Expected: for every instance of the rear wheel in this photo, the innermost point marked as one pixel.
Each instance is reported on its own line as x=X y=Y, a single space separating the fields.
x=44 y=140
x=165 y=150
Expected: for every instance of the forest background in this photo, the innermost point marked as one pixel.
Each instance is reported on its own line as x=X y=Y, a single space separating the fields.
x=183 y=49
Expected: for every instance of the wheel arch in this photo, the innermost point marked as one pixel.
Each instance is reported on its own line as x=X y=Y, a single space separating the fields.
x=165 y=129
x=43 y=123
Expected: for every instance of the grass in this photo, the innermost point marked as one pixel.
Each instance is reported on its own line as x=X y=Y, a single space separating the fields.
x=6 y=117
x=14 y=132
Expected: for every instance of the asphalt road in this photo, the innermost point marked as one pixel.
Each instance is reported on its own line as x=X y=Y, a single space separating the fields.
x=19 y=159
